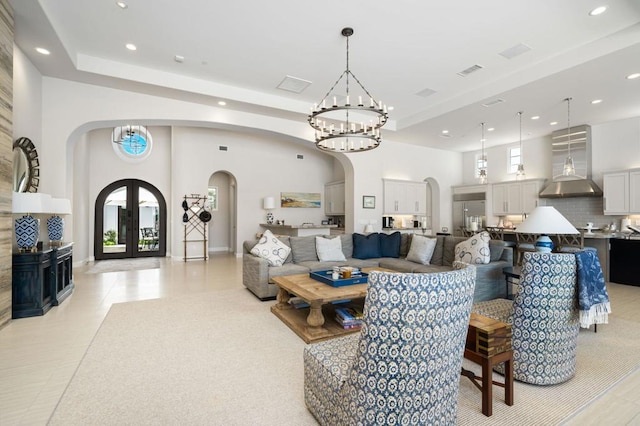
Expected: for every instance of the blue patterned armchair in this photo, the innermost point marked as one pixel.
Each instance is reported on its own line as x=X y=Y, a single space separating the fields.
x=544 y=319
x=404 y=365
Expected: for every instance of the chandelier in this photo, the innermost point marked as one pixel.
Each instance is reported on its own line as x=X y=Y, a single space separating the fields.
x=344 y=125
x=482 y=175
x=520 y=174
x=568 y=169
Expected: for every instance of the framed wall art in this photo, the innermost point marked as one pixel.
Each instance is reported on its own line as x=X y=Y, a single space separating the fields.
x=368 y=202
x=300 y=199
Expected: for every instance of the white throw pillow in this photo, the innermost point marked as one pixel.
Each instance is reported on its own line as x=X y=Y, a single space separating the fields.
x=329 y=249
x=474 y=250
x=421 y=249
x=270 y=248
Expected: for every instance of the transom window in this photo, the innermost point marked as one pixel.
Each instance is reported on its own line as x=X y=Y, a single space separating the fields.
x=132 y=143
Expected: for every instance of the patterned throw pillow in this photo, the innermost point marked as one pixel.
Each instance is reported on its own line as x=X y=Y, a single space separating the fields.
x=329 y=249
x=271 y=249
x=421 y=249
x=474 y=250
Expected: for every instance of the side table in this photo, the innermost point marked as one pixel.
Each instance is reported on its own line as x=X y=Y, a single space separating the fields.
x=511 y=277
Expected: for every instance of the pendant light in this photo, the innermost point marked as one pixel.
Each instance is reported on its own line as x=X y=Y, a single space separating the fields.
x=482 y=175
x=520 y=174
x=568 y=169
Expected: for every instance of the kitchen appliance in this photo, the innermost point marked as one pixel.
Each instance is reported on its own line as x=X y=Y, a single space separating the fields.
x=468 y=209
x=387 y=222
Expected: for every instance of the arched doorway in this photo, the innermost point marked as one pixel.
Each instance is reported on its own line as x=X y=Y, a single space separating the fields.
x=130 y=221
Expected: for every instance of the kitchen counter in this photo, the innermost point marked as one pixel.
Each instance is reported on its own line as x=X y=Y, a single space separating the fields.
x=299 y=230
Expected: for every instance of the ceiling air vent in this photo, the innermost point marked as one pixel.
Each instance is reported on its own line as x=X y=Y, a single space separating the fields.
x=514 y=51
x=293 y=84
x=493 y=103
x=470 y=70
x=223 y=148
x=426 y=93
x=300 y=157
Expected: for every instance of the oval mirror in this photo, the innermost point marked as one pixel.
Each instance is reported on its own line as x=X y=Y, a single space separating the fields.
x=26 y=172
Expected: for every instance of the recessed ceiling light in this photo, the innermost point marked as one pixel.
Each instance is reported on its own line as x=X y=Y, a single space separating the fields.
x=42 y=51
x=445 y=132
x=122 y=5
x=179 y=58
x=391 y=108
x=535 y=117
x=131 y=46
x=633 y=76
x=596 y=101
x=491 y=129
x=553 y=123
x=598 y=11
x=222 y=103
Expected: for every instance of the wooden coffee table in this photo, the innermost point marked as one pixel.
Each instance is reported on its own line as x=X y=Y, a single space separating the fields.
x=316 y=322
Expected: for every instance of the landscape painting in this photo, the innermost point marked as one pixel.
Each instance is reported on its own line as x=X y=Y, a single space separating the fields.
x=300 y=199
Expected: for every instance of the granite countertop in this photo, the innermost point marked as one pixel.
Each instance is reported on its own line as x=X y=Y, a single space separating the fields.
x=302 y=226
x=595 y=235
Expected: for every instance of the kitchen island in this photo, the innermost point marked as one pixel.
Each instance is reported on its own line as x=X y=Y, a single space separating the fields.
x=299 y=230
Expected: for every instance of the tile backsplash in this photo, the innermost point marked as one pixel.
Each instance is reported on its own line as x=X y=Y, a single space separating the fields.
x=581 y=210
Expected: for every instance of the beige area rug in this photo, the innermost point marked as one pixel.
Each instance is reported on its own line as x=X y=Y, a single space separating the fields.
x=118 y=265
x=221 y=358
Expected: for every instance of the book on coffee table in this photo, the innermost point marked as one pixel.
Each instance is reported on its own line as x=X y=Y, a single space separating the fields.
x=325 y=277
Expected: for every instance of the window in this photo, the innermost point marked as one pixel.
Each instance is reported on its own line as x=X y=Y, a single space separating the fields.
x=481 y=163
x=213 y=198
x=132 y=143
x=514 y=159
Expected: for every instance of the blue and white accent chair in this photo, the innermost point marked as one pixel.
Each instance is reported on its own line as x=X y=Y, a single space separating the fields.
x=544 y=319
x=403 y=367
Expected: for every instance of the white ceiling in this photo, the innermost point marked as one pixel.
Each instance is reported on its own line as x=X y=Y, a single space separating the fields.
x=239 y=51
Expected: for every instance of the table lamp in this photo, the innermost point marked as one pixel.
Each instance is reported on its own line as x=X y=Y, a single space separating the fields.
x=269 y=203
x=27 y=228
x=546 y=220
x=55 y=224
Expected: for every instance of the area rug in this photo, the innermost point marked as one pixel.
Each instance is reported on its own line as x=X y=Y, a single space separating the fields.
x=117 y=265
x=221 y=358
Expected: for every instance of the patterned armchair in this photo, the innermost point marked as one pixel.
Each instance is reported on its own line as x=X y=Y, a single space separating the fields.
x=544 y=318
x=404 y=365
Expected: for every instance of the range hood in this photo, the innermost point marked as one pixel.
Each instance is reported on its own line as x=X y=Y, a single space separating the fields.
x=580 y=184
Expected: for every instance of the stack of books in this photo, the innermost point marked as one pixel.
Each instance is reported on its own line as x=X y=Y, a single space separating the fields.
x=349 y=317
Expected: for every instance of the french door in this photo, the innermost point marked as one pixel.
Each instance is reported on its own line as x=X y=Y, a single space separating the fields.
x=130 y=221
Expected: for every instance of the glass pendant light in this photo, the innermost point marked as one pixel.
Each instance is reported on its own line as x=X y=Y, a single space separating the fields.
x=520 y=174
x=482 y=175
x=568 y=169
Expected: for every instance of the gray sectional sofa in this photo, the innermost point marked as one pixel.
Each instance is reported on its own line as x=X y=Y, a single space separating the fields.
x=257 y=274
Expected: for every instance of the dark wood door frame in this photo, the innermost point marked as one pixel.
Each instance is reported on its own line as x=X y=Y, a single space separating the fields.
x=131 y=221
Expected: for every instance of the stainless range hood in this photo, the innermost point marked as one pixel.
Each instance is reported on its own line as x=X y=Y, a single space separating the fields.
x=580 y=184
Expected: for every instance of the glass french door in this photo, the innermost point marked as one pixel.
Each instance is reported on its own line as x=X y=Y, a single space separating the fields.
x=130 y=221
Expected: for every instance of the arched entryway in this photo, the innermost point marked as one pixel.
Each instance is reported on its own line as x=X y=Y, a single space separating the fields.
x=130 y=221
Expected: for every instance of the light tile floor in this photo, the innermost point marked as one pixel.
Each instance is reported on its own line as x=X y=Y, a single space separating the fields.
x=39 y=355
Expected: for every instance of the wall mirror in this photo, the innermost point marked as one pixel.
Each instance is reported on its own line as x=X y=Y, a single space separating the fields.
x=26 y=171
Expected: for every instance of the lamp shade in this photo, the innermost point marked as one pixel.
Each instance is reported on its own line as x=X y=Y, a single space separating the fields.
x=546 y=220
x=269 y=203
x=30 y=202
x=60 y=206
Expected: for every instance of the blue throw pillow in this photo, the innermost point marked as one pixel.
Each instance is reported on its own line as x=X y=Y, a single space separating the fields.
x=390 y=244
x=366 y=246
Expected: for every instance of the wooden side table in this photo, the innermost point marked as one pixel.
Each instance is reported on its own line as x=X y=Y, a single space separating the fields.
x=489 y=344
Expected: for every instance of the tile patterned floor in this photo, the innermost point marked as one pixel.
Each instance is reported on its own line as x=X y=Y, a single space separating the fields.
x=39 y=355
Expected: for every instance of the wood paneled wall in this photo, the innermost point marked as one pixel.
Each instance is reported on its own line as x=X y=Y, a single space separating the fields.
x=6 y=157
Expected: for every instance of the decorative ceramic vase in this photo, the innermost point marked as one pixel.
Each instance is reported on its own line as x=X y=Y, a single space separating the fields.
x=544 y=244
x=55 y=228
x=27 y=232
x=270 y=218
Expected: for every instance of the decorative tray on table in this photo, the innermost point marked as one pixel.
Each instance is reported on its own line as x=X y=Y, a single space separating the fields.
x=325 y=277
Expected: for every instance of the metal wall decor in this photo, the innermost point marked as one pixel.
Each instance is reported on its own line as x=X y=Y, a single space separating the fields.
x=26 y=166
x=347 y=125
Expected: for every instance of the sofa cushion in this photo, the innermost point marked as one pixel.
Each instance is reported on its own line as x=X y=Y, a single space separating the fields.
x=366 y=246
x=347 y=245
x=421 y=249
x=405 y=243
x=270 y=248
x=436 y=259
x=390 y=244
x=475 y=250
x=496 y=247
x=329 y=249
x=303 y=249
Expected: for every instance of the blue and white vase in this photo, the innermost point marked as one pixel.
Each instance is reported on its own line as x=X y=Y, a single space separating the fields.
x=544 y=244
x=55 y=228
x=27 y=232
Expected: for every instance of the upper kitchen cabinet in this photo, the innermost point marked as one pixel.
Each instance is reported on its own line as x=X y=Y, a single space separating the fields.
x=621 y=192
x=405 y=197
x=516 y=197
x=334 y=199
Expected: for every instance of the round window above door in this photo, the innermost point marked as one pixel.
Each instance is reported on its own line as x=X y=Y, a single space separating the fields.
x=132 y=143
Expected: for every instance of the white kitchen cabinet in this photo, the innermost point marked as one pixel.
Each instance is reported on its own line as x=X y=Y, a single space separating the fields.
x=405 y=197
x=515 y=197
x=621 y=192
x=334 y=200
